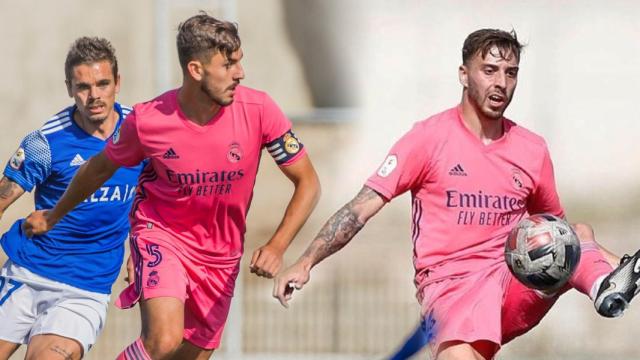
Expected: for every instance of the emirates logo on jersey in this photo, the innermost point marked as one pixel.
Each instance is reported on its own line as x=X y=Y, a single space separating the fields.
x=235 y=153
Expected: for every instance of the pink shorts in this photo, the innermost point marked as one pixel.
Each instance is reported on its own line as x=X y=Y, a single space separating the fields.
x=490 y=305
x=206 y=291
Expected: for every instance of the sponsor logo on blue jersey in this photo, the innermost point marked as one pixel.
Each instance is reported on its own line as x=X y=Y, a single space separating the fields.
x=112 y=193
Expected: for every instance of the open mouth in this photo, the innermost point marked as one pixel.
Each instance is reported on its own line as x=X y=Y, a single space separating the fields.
x=496 y=100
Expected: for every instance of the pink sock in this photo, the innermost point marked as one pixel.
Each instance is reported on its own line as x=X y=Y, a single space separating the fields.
x=134 y=351
x=592 y=267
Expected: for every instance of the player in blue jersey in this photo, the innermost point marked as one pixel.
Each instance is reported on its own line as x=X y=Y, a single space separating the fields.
x=54 y=289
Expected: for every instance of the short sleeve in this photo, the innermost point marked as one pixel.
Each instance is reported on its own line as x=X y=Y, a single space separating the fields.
x=30 y=165
x=405 y=166
x=274 y=122
x=124 y=147
x=544 y=198
x=277 y=136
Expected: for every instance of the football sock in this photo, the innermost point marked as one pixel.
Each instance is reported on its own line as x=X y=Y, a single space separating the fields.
x=593 y=267
x=135 y=351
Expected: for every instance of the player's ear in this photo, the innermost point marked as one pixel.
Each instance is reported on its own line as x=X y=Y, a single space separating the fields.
x=463 y=76
x=195 y=70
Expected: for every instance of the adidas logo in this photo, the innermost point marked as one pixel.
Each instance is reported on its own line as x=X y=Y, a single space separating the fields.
x=77 y=160
x=170 y=154
x=457 y=171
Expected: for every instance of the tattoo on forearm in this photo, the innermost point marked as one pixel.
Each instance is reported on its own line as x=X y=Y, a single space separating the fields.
x=339 y=229
x=7 y=189
x=62 y=352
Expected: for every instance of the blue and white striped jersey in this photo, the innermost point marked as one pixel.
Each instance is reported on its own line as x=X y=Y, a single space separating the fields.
x=85 y=249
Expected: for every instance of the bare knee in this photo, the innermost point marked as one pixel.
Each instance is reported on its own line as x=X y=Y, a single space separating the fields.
x=585 y=232
x=49 y=346
x=162 y=345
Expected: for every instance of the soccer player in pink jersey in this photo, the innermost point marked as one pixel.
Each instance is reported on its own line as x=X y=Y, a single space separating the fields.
x=473 y=174
x=203 y=142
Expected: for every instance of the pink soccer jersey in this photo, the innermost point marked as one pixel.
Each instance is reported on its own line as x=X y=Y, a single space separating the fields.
x=466 y=195
x=198 y=184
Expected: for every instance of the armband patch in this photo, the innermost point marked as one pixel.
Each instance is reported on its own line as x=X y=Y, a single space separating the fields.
x=388 y=166
x=17 y=159
x=284 y=148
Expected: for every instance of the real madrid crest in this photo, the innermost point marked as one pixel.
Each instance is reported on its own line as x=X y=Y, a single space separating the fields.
x=516 y=178
x=291 y=144
x=235 y=153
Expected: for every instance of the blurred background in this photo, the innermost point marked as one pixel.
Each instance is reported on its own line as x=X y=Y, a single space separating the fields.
x=354 y=75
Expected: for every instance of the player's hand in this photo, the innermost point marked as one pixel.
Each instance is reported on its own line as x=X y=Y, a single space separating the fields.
x=293 y=278
x=266 y=261
x=130 y=278
x=37 y=223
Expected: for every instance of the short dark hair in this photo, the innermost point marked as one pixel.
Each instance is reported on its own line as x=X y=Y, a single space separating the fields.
x=481 y=41
x=200 y=36
x=87 y=50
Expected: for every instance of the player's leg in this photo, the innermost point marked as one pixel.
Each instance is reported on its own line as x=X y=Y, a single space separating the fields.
x=162 y=326
x=586 y=235
x=161 y=285
x=594 y=262
x=17 y=311
x=611 y=288
x=7 y=348
x=68 y=323
x=206 y=309
x=53 y=347
x=162 y=321
x=523 y=308
x=188 y=351
x=619 y=287
x=457 y=350
x=465 y=315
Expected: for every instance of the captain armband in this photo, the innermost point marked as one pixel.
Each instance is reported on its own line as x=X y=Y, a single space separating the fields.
x=284 y=148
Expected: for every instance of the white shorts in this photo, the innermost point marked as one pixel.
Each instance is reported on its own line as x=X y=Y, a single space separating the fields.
x=33 y=305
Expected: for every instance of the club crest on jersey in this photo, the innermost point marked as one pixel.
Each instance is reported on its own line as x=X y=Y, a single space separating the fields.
x=153 y=279
x=235 y=153
x=388 y=166
x=291 y=144
x=516 y=178
x=17 y=159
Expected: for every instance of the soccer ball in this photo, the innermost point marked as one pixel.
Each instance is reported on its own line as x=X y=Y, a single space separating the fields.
x=542 y=251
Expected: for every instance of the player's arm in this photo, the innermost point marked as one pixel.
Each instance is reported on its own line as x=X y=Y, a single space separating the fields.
x=267 y=260
x=9 y=193
x=90 y=176
x=333 y=236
